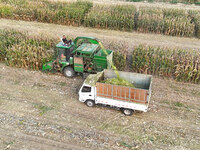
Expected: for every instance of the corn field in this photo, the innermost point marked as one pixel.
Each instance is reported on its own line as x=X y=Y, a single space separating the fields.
x=26 y=55
x=174 y=22
x=178 y=64
x=165 y=21
x=111 y=17
x=7 y=39
x=120 y=54
x=19 y=50
x=195 y=15
x=45 y=11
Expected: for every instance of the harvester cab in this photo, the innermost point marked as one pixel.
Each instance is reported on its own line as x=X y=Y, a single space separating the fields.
x=61 y=59
x=84 y=55
x=63 y=52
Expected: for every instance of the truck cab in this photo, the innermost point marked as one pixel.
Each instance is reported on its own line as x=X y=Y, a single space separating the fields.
x=87 y=93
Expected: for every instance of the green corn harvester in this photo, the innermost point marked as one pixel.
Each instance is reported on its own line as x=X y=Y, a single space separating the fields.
x=84 y=55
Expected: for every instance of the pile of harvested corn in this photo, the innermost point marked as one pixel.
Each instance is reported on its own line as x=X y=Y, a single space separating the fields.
x=118 y=81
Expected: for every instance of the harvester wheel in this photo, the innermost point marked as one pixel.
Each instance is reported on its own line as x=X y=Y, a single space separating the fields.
x=69 y=72
x=127 y=112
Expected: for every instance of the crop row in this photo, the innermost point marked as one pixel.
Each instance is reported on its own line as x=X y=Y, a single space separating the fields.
x=44 y=11
x=173 y=22
x=178 y=64
x=112 y=17
x=166 y=21
x=20 y=50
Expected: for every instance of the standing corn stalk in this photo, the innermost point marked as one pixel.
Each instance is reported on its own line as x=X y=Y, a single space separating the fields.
x=173 y=22
x=119 y=17
x=178 y=64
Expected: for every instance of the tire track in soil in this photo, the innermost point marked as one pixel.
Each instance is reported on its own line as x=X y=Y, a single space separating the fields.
x=36 y=141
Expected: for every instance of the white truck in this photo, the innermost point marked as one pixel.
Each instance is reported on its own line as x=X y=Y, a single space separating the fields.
x=127 y=99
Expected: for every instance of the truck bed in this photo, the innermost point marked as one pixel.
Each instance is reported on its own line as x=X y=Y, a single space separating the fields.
x=122 y=93
x=140 y=95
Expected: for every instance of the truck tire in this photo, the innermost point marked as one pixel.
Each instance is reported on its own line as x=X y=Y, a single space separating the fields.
x=69 y=72
x=89 y=103
x=127 y=112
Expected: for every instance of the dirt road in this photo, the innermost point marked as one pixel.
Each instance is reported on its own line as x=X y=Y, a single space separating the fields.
x=130 y=39
x=42 y=111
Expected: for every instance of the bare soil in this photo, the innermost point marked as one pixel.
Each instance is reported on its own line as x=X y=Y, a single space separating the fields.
x=129 y=39
x=42 y=111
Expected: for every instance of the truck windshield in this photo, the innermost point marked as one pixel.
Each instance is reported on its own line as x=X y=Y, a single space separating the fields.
x=86 y=89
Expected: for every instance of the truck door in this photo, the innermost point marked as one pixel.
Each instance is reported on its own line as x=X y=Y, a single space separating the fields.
x=86 y=93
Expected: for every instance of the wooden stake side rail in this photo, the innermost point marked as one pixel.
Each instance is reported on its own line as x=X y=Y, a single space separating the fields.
x=121 y=93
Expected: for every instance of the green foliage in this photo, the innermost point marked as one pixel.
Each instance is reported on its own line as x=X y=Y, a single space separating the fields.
x=179 y=104
x=150 y=1
x=197 y=3
x=118 y=81
x=125 y=144
x=42 y=108
x=178 y=64
x=5 y=11
x=135 y=0
x=174 y=1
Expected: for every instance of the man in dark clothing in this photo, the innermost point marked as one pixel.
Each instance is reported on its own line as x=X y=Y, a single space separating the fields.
x=65 y=41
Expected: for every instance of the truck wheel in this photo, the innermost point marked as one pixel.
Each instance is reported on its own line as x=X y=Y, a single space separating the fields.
x=89 y=103
x=69 y=72
x=127 y=112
